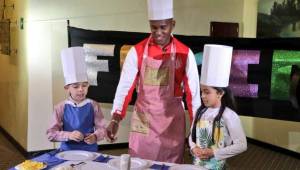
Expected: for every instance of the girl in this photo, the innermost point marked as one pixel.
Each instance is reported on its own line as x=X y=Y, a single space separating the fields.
x=216 y=132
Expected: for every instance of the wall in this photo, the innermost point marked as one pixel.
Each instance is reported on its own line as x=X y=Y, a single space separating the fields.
x=14 y=79
x=194 y=17
x=249 y=18
x=284 y=134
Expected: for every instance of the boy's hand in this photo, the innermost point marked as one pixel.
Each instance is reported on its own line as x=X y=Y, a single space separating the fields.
x=76 y=136
x=90 y=139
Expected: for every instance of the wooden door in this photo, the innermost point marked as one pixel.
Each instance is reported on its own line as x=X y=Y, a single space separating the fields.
x=224 y=29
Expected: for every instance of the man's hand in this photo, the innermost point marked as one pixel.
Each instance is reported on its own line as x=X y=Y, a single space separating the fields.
x=76 y=136
x=113 y=127
x=90 y=139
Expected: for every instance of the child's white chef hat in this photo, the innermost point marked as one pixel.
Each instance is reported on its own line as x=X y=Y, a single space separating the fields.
x=216 y=65
x=74 y=66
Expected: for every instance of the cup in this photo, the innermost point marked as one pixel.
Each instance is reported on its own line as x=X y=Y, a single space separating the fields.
x=125 y=162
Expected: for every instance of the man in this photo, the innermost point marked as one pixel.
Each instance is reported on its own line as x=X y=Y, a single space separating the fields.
x=159 y=66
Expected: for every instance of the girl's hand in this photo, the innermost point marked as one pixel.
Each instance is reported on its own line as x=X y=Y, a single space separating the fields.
x=90 y=139
x=76 y=136
x=207 y=153
x=197 y=151
x=203 y=153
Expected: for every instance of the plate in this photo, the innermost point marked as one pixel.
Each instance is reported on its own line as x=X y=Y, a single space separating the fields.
x=136 y=164
x=186 y=166
x=19 y=167
x=76 y=155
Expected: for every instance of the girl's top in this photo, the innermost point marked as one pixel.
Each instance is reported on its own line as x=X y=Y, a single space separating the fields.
x=229 y=137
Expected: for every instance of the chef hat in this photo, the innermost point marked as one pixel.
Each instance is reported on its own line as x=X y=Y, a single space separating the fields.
x=160 y=9
x=73 y=63
x=216 y=65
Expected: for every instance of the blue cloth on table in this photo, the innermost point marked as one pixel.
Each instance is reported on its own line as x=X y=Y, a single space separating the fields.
x=103 y=159
x=50 y=159
x=160 y=167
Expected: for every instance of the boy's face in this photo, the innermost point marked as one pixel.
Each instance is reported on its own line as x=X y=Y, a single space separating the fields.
x=78 y=91
x=161 y=31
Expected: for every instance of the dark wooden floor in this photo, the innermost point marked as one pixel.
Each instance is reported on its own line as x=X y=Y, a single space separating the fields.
x=254 y=158
x=9 y=155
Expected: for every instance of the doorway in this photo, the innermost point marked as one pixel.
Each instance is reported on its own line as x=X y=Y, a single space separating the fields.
x=224 y=29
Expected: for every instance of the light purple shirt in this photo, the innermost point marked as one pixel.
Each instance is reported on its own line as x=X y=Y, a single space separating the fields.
x=55 y=132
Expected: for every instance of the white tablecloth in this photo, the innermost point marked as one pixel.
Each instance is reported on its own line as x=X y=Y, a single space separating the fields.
x=92 y=165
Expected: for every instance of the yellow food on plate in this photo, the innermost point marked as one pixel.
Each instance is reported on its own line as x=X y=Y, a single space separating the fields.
x=31 y=165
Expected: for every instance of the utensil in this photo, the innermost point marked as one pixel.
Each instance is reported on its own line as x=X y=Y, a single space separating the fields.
x=74 y=165
x=77 y=166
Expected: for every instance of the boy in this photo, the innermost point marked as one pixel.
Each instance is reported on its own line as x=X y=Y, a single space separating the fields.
x=78 y=121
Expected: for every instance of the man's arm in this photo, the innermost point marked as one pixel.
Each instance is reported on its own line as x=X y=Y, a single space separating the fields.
x=124 y=92
x=192 y=85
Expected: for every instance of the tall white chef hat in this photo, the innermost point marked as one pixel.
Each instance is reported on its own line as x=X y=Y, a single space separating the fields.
x=160 y=9
x=74 y=67
x=216 y=65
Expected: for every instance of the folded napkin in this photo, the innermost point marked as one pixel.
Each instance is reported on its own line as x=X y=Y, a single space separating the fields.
x=50 y=159
x=103 y=159
x=160 y=167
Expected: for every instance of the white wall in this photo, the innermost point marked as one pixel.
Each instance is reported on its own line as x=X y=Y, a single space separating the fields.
x=39 y=83
x=285 y=134
x=249 y=18
x=194 y=17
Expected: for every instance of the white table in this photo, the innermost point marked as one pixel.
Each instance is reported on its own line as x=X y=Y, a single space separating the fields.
x=92 y=165
x=76 y=157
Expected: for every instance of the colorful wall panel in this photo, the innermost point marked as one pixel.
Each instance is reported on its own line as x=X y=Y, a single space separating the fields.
x=264 y=78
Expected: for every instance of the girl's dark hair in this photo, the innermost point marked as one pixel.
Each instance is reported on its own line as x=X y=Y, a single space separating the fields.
x=227 y=100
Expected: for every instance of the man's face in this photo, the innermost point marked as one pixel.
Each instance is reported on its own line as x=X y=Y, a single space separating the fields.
x=161 y=31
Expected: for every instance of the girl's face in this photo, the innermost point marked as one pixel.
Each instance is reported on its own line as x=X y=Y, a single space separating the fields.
x=210 y=96
x=78 y=91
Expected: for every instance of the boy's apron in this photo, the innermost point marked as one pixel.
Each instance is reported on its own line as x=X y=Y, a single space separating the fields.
x=81 y=119
x=158 y=121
